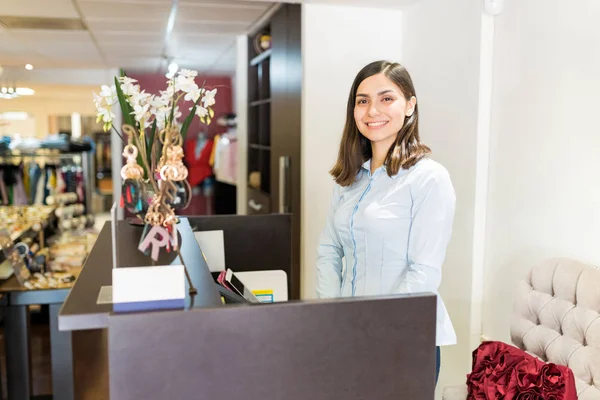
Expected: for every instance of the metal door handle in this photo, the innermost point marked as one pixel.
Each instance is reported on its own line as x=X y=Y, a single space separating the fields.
x=284 y=169
x=254 y=205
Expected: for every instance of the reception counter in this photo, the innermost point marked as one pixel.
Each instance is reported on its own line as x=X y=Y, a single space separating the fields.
x=380 y=348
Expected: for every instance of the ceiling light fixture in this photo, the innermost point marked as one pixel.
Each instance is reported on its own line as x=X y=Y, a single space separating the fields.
x=24 y=91
x=11 y=92
x=28 y=67
x=167 y=35
x=171 y=20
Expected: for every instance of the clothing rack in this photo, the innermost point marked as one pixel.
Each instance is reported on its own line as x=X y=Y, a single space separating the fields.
x=81 y=160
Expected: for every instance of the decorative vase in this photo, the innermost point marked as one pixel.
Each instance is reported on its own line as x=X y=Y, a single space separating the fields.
x=137 y=196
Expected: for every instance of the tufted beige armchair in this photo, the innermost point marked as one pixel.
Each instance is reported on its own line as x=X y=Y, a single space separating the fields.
x=557 y=318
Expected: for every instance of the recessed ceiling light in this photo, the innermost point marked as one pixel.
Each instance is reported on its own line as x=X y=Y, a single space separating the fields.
x=13 y=92
x=25 y=91
x=28 y=67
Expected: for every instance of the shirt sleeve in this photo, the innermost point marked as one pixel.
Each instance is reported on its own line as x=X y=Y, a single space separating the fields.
x=434 y=202
x=330 y=254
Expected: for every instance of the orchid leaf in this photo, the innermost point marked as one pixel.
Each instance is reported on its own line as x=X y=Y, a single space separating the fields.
x=151 y=137
x=126 y=108
x=188 y=120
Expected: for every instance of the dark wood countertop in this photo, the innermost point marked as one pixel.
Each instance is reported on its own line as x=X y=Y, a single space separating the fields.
x=81 y=311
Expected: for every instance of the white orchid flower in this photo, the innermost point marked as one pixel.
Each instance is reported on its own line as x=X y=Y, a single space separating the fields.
x=201 y=111
x=127 y=80
x=106 y=114
x=209 y=98
x=159 y=102
x=188 y=73
x=129 y=89
x=193 y=94
x=161 y=117
x=168 y=93
x=140 y=112
x=139 y=98
x=97 y=100
x=103 y=102
x=128 y=86
x=108 y=91
x=185 y=84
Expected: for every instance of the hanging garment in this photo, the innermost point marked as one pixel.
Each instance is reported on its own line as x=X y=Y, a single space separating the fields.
x=35 y=173
x=25 y=172
x=53 y=179
x=26 y=144
x=70 y=181
x=79 y=186
x=197 y=154
x=58 y=142
x=213 y=154
x=10 y=174
x=19 y=195
x=48 y=188
x=5 y=143
x=41 y=187
x=3 y=191
x=61 y=185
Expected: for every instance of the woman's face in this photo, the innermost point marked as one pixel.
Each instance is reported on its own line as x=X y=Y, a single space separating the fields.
x=380 y=109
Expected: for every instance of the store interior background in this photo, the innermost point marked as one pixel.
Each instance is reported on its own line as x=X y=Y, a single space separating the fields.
x=507 y=104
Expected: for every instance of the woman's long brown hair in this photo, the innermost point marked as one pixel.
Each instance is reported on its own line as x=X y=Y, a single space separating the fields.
x=355 y=149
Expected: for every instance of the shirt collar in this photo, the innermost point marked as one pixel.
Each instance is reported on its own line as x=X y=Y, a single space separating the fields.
x=367 y=166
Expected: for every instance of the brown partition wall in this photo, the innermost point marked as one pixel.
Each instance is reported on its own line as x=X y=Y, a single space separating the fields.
x=378 y=348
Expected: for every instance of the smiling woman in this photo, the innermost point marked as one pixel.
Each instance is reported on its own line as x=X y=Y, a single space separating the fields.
x=392 y=208
x=381 y=123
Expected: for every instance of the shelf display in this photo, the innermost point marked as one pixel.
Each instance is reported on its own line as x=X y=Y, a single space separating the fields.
x=41 y=252
x=70 y=250
x=19 y=219
x=274 y=110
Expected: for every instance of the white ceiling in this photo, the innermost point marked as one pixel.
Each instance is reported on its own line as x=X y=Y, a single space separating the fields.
x=129 y=33
x=132 y=34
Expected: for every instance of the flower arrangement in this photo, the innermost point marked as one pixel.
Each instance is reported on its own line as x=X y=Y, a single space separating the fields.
x=501 y=371
x=148 y=113
x=154 y=176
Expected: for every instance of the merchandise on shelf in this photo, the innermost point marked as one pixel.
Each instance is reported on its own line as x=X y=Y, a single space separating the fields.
x=46 y=246
x=19 y=219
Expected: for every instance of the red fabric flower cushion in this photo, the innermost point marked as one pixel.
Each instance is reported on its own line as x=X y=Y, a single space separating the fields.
x=501 y=371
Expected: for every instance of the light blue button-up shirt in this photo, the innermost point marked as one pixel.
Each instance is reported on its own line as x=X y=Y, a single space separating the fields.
x=392 y=233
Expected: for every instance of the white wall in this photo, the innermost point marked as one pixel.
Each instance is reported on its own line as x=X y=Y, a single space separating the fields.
x=52 y=100
x=442 y=53
x=337 y=41
x=507 y=106
x=544 y=193
x=17 y=126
